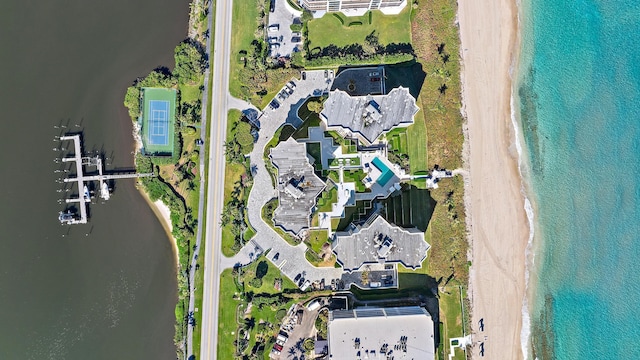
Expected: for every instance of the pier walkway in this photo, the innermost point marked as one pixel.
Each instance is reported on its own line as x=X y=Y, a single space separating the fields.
x=81 y=179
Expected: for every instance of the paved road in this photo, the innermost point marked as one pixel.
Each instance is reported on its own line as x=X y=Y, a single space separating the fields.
x=196 y=250
x=215 y=182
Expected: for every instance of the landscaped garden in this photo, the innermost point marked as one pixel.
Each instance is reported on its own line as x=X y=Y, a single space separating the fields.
x=340 y=30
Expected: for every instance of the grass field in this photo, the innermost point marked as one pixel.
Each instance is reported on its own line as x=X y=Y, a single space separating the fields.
x=451 y=318
x=189 y=93
x=389 y=28
x=327 y=198
x=244 y=23
x=268 y=280
x=227 y=324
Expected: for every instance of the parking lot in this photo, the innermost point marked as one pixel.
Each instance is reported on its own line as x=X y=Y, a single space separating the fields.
x=283 y=41
x=361 y=81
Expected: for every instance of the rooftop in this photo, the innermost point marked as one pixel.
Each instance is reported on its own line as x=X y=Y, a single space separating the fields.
x=399 y=332
x=369 y=116
x=378 y=241
x=298 y=186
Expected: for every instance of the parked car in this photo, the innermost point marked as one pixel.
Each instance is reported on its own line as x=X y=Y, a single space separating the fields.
x=275 y=47
x=288 y=90
x=304 y=75
x=274 y=104
x=272 y=5
x=292 y=84
x=274 y=27
x=284 y=93
x=375 y=73
x=273 y=39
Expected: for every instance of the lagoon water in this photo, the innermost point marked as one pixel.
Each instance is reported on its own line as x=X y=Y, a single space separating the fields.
x=105 y=290
x=579 y=96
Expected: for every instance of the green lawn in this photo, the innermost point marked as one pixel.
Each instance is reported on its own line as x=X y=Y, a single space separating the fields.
x=227 y=325
x=356 y=177
x=189 y=93
x=389 y=28
x=268 y=280
x=417 y=144
x=317 y=238
x=244 y=23
x=327 y=198
x=451 y=317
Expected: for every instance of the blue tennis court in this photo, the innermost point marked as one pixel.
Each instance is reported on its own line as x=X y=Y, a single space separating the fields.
x=158 y=122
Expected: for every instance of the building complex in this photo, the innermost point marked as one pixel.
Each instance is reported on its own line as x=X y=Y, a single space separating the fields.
x=381 y=333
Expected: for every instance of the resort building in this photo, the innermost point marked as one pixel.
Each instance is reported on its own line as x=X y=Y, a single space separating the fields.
x=297 y=185
x=353 y=7
x=381 y=333
x=379 y=242
x=368 y=117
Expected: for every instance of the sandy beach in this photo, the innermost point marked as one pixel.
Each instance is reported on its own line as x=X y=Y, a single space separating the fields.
x=498 y=223
x=163 y=213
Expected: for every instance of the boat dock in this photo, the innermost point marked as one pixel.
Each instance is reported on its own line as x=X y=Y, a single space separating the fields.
x=82 y=180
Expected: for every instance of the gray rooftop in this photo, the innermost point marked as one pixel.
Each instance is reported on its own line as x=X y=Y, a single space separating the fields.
x=298 y=186
x=363 y=333
x=369 y=116
x=379 y=241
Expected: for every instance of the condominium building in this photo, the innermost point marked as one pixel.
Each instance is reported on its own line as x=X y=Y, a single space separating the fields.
x=354 y=7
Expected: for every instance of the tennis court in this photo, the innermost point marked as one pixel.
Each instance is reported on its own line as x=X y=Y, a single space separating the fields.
x=158 y=121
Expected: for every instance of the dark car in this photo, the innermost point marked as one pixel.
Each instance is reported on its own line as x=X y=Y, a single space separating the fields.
x=199 y=142
x=276 y=256
x=297 y=277
x=274 y=104
x=272 y=6
x=304 y=75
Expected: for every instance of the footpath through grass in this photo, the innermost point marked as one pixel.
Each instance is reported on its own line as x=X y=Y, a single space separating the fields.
x=340 y=30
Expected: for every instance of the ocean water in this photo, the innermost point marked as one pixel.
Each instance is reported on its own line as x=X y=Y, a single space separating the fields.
x=578 y=92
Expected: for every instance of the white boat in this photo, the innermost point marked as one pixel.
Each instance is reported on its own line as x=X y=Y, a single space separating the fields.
x=87 y=196
x=104 y=191
x=66 y=217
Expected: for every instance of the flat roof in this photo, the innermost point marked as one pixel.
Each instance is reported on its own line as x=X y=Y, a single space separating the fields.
x=380 y=333
x=369 y=116
x=378 y=241
x=298 y=186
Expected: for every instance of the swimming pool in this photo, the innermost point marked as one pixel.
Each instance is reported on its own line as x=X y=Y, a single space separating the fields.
x=386 y=175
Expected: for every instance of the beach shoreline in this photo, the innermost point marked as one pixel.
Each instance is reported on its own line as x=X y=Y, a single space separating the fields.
x=499 y=229
x=163 y=213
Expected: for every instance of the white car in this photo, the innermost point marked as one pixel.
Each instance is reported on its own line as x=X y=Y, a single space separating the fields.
x=274 y=28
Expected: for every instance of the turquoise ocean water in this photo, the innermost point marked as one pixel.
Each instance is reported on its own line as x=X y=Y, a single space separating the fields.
x=578 y=92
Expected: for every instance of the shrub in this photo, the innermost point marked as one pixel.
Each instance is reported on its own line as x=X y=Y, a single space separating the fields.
x=262 y=269
x=256 y=282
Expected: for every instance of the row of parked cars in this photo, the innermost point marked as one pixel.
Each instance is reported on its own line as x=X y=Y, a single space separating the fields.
x=286 y=91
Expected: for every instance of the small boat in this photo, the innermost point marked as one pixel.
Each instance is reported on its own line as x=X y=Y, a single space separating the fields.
x=87 y=196
x=104 y=191
x=66 y=217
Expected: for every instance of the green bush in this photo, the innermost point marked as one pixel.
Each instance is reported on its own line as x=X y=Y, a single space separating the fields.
x=262 y=269
x=256 y=282
x=132 y=101
x=355 y=23
x=243 y=136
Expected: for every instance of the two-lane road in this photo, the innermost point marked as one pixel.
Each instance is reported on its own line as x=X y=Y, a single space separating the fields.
x=215 y=182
